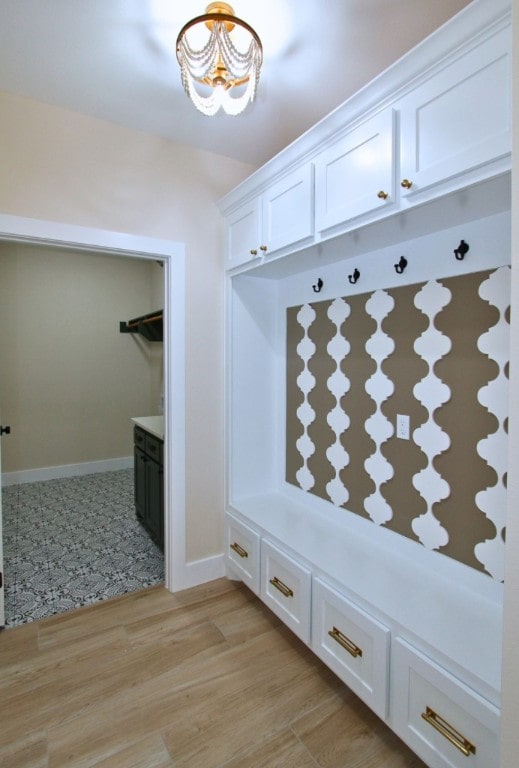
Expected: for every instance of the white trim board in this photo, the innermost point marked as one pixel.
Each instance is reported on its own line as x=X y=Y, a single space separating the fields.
x=65 y=470
x=38 y=232
x=203 y=570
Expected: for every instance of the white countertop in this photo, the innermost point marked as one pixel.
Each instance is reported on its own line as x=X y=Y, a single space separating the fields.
x=152 y=424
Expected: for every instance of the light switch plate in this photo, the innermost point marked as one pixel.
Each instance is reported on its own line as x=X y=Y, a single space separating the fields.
x=402 y=426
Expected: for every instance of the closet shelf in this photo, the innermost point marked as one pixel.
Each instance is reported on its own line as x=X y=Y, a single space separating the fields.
x=150 y=326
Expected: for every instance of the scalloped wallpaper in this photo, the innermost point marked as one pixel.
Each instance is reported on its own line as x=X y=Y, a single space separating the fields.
x=437 y=352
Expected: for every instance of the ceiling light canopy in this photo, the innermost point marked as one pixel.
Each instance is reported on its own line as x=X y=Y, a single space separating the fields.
x=220 y=58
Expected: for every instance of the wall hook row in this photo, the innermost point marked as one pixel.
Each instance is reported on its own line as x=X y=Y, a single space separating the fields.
x=461 y=250
x=402 y=264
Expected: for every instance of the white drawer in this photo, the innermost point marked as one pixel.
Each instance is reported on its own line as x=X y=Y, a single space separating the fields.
x=353 y=644
x=242 y=552
x=446 y=723
x=286 y=589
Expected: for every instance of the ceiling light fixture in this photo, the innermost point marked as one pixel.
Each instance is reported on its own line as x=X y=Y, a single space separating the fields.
x=220 y=57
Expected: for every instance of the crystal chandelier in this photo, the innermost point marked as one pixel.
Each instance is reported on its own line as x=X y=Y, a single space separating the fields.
x=220 y=58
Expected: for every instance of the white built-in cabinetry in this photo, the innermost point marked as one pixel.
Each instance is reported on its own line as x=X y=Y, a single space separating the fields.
x=419 y=159
x=430 y=125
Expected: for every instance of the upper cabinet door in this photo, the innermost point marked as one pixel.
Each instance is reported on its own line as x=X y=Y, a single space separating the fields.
x=356 y=174
x=281 y=216
x=243 y=229
x=288 y=209
x=459 y=119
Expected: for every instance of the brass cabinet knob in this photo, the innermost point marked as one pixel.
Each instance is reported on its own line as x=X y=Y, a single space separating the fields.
x=263 y=248
x=383 y=195
x=406 y=184
x=253 y=252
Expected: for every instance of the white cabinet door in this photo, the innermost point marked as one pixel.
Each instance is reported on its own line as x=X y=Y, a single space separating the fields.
x=286 y=589
x=281 y=216
x=458 y=120
x=353 y=644
x=243 y=227
x=356 y=175
x=446 y=723
x=287 y=209
x=242 y=552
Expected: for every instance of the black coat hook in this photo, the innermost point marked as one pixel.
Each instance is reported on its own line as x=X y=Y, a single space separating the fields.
x=353 y=278
x=402 y=264
x=317 y=288
x=461 y=250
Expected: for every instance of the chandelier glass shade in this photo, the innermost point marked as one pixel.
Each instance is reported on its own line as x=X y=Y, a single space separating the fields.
x=220 y=57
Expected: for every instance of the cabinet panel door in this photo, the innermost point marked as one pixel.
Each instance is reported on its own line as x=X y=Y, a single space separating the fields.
x=287 y=209
x=353 y=644
x=242 y=552
x=459 y=119
x=286 y=589
x=445 y=722
x=243 y=228
x=353 y=176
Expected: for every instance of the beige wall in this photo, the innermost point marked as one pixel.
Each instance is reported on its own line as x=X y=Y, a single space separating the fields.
x=69 y=381
x=61 y=166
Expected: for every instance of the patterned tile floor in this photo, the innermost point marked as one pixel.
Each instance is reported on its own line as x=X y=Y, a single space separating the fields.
x=71 y=542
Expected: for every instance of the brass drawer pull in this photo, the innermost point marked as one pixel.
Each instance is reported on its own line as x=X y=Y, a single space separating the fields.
x=345 y=642
x=406 y=184
x=451 y=734
x=239 y=550
x=286 y=591
x=382 y=195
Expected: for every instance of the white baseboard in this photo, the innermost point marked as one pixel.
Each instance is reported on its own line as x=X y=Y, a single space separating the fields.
x=197 y=572
x=65 y=470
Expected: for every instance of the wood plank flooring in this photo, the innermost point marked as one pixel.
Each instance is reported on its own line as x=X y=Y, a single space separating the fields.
x=204 y=678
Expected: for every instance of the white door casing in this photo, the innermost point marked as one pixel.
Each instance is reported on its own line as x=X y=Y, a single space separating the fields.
x=19 y=229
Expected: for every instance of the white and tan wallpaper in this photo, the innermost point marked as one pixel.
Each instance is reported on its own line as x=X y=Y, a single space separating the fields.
x=436 y=352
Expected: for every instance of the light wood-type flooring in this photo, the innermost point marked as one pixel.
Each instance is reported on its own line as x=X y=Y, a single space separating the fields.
x=204 y=678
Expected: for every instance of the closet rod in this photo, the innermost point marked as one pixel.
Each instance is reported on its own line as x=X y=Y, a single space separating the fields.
x=144 y=319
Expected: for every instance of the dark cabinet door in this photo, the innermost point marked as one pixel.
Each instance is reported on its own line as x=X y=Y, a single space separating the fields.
x=149 y=484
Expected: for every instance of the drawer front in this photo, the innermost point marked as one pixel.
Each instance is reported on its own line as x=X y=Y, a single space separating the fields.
x=154 y=447
x=353 y=644
x=445 y=722
x=139 y=437
x=286 y=589
x=242 y=552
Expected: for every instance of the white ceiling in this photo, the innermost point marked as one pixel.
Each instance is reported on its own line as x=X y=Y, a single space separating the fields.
x=115 y=60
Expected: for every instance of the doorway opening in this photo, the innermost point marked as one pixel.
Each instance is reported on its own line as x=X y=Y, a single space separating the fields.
x=171 y=254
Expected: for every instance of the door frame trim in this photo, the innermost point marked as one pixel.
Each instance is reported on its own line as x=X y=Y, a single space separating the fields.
x=77 y=238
